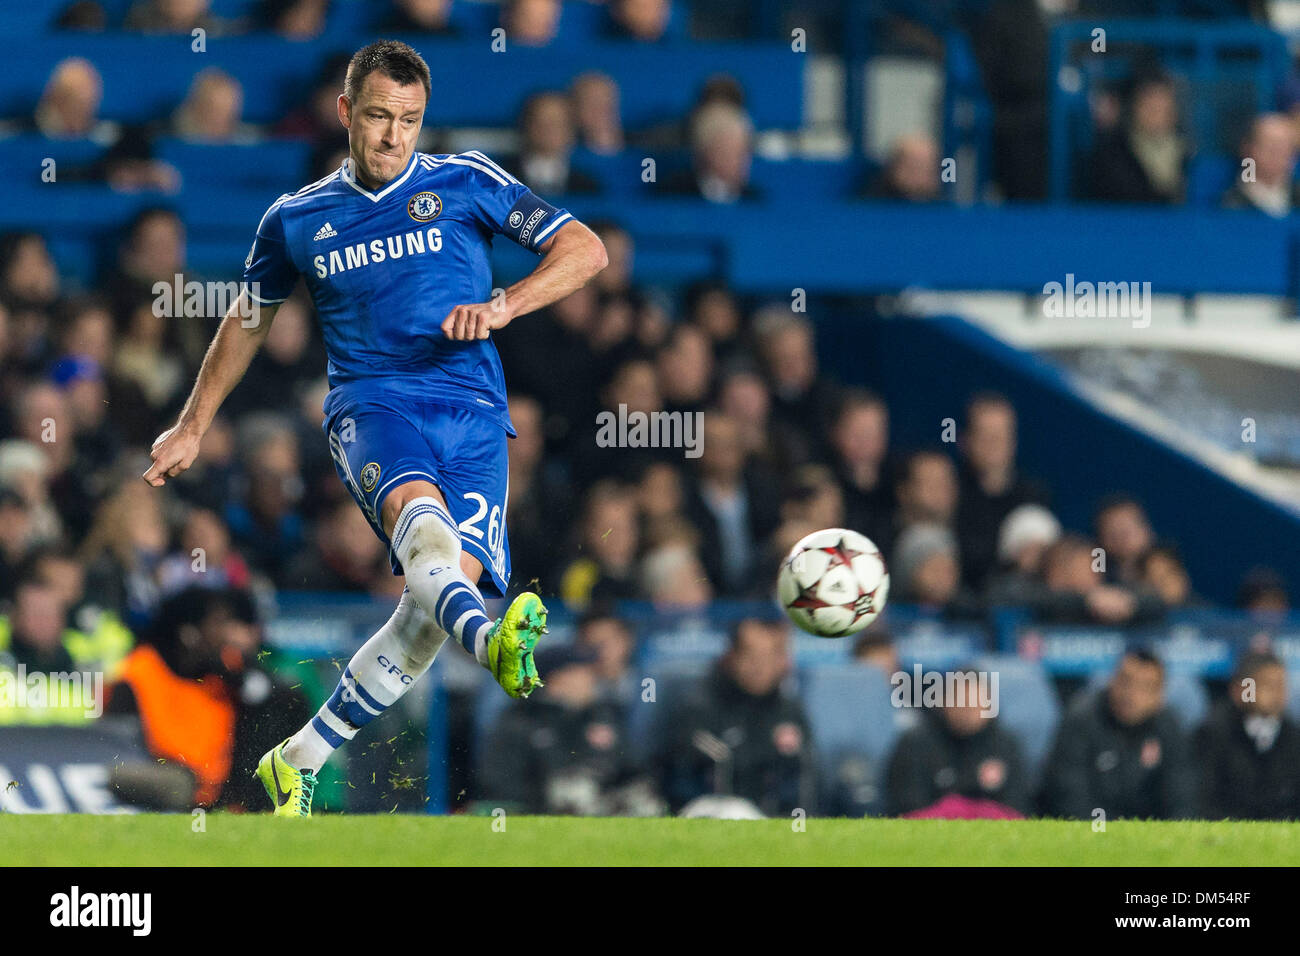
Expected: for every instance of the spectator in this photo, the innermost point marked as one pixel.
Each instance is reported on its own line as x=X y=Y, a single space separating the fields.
x=1269 y=184
x=291 y=356
x=744 y=398
x=540 y=505
x=16 y=538
x=643 y=20
x=69 y=109
x=318 y=118
x=175 y=16
x=530 y=22
x=926 y=491
x=860 y=439
x=152 y=251
x=146 y=360
x=1144 y=160
x=564 y=753
x=672 y=577
x=95 y=636
x=204 y=704
x=595 y=98
x=712 y=306
x=347 y=556
x=609 y=542
x=1023 y=540
x=1164 y=574
x=421 y=16
x=959 y=749
x=739 y=734
x=685 y=369
x=547 y=136
x=812 y=501
x=211 y=110
x=264 y=520
x=296 y=19
x=634 y=388
x=1078 y=593
x=34 y=634
x=924 y=569
x=1249 y=749
x=69 y=106
x=875 y=646
x=721 y=153
x=1122 y=752
x=122 y=551
x=205 y=557
x=1264 y=593
x=28 y=275
x=85 y=15
x=615 y=278
x=990 y=486
x=912 y=172
x=802 y=398
x=1125 y=536
x=611 y=639
x=24 y=473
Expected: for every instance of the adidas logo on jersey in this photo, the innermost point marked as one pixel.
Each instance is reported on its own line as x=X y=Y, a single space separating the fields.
x=324 y=232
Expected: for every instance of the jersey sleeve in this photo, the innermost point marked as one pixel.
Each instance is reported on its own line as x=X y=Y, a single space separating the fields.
x=509 y=208
x=269 y=272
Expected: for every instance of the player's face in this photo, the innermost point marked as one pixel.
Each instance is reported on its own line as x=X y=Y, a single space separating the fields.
x=383 y=125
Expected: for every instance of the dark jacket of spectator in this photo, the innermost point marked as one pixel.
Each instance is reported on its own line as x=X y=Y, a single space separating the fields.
x=1118 y=176
x=765 y=754
x=931 y=761
x=1238 y=779
x=979 y=520
x=1144 y=770
x=547 y=758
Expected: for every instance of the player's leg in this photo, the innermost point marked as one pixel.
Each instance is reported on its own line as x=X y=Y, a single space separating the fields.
x=367 y=444
x=376 y=677
x=442 y=576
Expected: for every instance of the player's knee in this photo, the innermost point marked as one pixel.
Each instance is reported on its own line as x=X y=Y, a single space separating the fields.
x=425 y=534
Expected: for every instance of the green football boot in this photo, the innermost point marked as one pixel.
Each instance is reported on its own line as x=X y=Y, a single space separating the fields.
x=289 y=788
x=511 y=642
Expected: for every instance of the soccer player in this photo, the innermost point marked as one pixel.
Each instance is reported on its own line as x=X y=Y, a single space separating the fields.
x=394 y=247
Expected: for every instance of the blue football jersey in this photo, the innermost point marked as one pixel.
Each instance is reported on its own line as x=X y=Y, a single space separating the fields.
x=384 y=269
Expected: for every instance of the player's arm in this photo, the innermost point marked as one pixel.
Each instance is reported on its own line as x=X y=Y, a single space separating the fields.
x=241 y=334
x=571 y=257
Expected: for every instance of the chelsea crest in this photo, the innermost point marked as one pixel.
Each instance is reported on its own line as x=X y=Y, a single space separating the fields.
x=424 y=206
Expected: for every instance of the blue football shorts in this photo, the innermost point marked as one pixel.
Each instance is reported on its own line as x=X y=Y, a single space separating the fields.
x=378 y=443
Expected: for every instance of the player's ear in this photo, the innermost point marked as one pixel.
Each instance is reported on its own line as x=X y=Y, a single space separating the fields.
x=345 y=111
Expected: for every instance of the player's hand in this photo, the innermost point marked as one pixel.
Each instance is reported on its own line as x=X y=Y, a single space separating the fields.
x=467 y=322
x=173 y=452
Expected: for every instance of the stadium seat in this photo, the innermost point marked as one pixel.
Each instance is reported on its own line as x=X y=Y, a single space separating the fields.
x=271 y=165
x=850 y=710
x=674 y=682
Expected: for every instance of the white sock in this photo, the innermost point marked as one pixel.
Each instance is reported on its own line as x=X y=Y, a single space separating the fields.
x=384 y=669
x=427 y=542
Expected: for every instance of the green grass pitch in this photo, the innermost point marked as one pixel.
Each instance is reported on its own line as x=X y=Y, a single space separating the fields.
x=231 y=839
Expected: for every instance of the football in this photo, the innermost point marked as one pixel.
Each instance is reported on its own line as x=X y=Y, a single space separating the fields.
x=833 y=582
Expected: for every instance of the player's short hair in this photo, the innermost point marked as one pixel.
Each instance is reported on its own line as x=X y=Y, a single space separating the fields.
x=394 y=59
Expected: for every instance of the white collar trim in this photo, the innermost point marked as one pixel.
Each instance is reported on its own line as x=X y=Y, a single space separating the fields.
x=346 y=171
